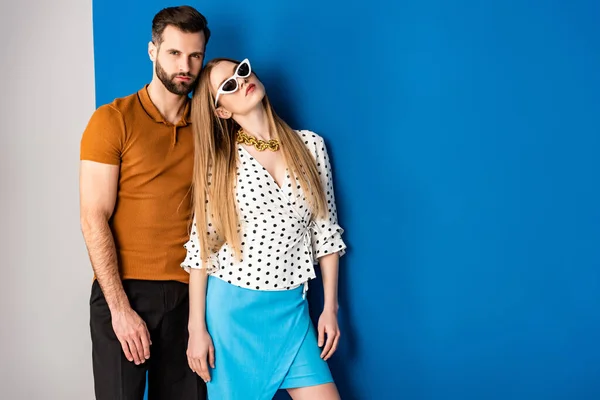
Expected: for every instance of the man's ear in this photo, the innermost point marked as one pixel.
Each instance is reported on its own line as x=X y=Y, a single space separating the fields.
x=222 y=113
x=152 y=51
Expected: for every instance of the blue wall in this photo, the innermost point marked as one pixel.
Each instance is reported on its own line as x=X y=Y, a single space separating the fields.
x=464 y=137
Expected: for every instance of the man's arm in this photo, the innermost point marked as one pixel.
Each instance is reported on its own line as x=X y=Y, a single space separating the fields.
x=98 y=192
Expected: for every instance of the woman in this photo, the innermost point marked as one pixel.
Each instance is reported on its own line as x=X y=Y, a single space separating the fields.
x=264 y=214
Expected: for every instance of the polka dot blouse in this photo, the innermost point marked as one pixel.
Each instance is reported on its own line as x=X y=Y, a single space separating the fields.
x=281 y=242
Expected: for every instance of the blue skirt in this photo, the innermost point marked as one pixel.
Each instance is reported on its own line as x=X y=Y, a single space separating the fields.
x=264 y=341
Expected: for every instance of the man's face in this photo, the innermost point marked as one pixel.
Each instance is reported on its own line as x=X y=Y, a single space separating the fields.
x=178 y=59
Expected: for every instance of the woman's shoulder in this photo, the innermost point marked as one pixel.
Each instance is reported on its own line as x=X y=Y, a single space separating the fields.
x=311 y=139
x=308 y=135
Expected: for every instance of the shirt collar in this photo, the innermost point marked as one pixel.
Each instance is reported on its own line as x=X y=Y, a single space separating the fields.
x=153 y=112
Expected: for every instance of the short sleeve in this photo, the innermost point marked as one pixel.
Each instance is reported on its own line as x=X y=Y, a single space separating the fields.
x=326 y=232
x=104 y=136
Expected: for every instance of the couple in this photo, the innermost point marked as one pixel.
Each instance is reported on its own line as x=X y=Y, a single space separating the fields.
x=203 y=221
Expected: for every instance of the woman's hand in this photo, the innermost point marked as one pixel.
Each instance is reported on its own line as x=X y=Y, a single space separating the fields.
x=201 y=353
x=328 y=325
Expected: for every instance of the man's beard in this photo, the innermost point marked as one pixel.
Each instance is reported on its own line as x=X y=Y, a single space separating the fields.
x=180 y=88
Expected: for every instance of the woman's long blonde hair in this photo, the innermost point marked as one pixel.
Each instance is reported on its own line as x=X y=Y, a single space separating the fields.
x=216 y=161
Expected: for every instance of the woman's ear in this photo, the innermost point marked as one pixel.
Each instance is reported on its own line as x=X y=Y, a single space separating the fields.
x=222 y=113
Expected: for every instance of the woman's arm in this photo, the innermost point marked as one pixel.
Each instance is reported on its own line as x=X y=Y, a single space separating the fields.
x=200 y=346
x=197 y=290
x=328 y=247
x=329 y=270
x=328 y=323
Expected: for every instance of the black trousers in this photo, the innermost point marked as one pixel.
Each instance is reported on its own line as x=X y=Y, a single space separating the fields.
x=163 y=305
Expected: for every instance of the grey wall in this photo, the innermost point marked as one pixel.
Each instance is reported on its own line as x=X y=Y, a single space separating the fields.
x=47 y=93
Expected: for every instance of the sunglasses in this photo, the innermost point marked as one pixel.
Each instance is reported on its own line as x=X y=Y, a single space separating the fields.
x=230 y=85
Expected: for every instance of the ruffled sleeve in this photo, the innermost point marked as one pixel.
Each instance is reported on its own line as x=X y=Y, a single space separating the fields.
x=326 y=232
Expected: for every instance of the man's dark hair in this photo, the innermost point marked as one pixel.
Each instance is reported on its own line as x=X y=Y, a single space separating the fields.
x=184 y=18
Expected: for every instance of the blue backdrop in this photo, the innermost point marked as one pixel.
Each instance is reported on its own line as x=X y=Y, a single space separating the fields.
x=464 y=139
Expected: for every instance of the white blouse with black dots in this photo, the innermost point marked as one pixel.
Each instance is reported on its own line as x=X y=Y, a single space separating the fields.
x=280 y=241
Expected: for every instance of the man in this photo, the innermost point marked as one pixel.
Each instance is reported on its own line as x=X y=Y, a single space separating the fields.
x=135 y=179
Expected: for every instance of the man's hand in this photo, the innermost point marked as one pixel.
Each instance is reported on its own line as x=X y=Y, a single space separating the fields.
x=133 y=334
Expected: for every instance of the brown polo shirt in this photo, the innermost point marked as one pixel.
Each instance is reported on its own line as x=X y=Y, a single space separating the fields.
x=152 y=212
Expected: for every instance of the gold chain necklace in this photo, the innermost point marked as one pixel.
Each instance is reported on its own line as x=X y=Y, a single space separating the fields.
x=259 y=144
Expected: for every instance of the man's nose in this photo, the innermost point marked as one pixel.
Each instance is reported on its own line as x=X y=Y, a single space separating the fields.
x=184 y=65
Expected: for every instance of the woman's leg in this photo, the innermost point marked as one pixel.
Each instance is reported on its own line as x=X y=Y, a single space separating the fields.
x=327 y=391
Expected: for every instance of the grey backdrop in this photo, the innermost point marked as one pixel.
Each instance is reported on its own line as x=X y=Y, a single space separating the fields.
x=47 y=97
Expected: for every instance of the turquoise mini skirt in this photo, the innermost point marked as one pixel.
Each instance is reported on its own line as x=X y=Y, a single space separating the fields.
x=264 y=341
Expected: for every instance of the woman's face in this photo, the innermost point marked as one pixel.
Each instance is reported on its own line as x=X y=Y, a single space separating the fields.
x=236 y=101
